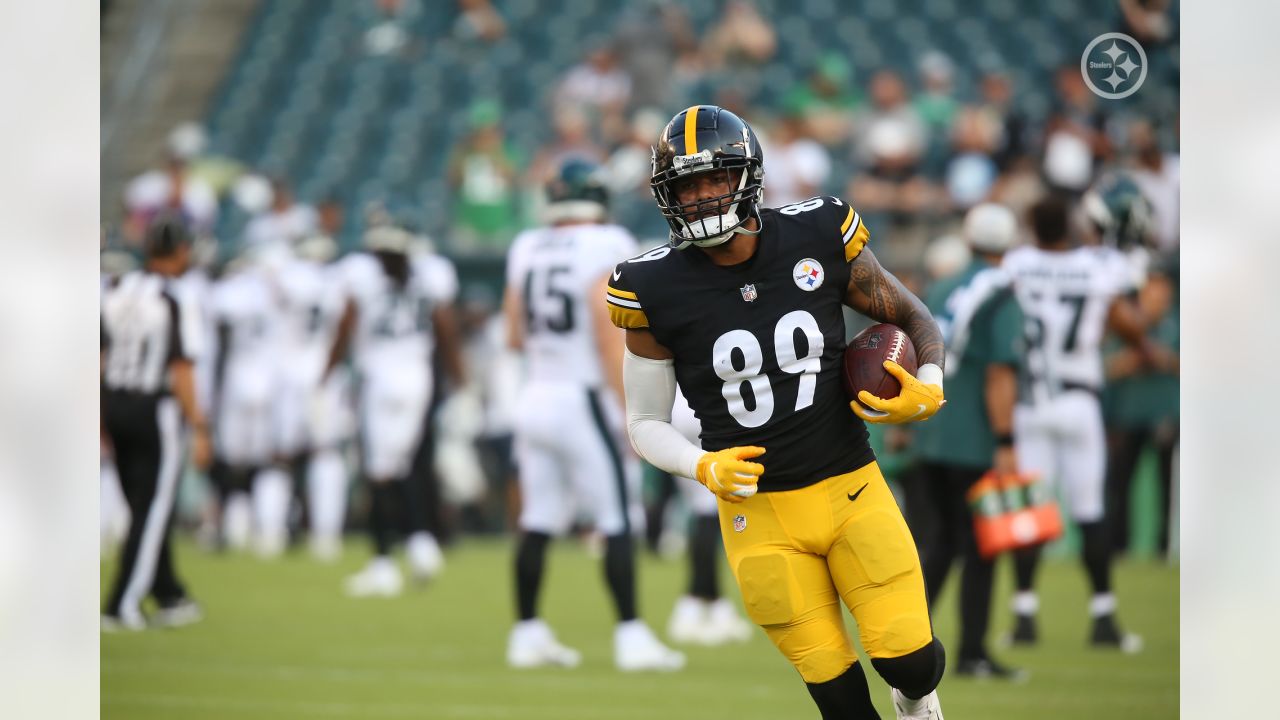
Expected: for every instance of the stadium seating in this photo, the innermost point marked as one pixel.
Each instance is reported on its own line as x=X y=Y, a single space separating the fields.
x=303 y=98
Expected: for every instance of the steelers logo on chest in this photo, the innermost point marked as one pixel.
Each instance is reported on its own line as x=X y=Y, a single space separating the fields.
x=808 y=274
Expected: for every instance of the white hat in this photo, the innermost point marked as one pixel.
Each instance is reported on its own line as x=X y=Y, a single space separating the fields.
x=188 y=140
x=946 y=256
x=990 y=228
x=387 y=237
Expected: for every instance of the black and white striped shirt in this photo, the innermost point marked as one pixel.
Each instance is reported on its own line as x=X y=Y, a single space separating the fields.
x=143 y=330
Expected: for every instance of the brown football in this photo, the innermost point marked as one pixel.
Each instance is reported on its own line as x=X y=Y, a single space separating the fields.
x=865 y=356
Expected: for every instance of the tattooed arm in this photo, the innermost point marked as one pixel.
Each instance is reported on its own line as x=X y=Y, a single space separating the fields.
x=879 y=295
x=876 y=293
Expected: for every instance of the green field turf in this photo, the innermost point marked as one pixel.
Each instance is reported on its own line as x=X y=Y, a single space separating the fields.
x=281 y=641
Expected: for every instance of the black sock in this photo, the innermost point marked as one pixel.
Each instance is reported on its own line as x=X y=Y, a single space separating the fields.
x=531 y=553
x=664 y=490
x=300 y=512
x=620 y=574
x=220 y=479
x=238 y=479
x=976 y=583
x=703 y=548
x=1097 y=556
x=385 y=498
x=1024 y=567
x=426 y=506
x=846 y=697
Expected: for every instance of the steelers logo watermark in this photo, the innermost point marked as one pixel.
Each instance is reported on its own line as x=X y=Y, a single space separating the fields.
x=808 y=274
x=1114 y=66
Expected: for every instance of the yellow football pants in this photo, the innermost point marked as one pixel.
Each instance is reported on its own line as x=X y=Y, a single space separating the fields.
x=796 y=554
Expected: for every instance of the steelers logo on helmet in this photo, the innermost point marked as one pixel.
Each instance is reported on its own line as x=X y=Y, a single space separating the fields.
x=708 y=139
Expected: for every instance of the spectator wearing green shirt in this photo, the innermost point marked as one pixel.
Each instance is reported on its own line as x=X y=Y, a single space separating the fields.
x=1140 y=404
x=482 y=174
x=829 y=101
x=983 y=326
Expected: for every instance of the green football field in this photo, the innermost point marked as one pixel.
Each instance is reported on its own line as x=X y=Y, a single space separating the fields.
x=281 y=641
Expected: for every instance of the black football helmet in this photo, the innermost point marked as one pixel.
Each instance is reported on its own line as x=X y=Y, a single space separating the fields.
x=577 y=192
x=166 y=235
x=1120 y=213
x=702 y=139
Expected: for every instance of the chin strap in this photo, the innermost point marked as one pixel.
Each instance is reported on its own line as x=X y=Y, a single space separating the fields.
x=680 y=243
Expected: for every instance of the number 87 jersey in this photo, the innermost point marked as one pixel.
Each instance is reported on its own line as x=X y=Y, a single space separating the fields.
x=758 y=345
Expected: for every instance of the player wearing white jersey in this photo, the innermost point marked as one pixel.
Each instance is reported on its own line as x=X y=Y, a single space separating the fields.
x=244 y=312
x=195 y=288
x=569 y=432
x=312 y=419
x=395 y=311
x=1070 y=296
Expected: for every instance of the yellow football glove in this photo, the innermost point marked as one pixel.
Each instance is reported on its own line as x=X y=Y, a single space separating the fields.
x=728 y=474
x=917 y=401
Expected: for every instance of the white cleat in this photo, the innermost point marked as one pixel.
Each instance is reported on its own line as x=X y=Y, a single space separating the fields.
x=532 y=644
x=926 y=708
x=380 y=578
x=426 y=560
x=1130 y=643
x=724 y=625
x=325 y=549
x=270 y=545
x=636 y=648
x=182 y=612
x=118 y=624
x=237 y=521
x=695 y=621
x=688 y=620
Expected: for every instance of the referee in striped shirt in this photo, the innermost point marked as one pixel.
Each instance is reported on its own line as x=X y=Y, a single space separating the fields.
x=148 y=389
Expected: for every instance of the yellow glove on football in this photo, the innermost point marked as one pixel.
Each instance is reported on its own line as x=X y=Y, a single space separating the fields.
x=728 y=474
x=917 y=401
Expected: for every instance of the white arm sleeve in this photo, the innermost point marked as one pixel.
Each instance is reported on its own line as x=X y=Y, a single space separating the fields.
x=651 y=389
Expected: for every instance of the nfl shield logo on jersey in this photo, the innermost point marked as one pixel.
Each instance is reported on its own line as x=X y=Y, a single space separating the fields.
x=739 y=523
x=749 y=293
x=808 y=274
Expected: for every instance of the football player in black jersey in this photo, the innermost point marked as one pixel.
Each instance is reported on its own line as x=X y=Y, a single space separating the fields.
x=749 y=322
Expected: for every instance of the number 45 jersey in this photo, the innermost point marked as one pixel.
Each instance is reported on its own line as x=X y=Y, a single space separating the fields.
x=555 y=270
x=758 y=345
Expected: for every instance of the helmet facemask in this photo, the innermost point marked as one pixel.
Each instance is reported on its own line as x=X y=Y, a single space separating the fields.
x=711 y=221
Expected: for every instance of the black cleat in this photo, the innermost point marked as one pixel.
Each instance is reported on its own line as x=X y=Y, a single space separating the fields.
x=1107 y=634
x=1024 y=631
x=984 y=667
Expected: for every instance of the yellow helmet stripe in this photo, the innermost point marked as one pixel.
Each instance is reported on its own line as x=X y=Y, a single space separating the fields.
x=691 y=130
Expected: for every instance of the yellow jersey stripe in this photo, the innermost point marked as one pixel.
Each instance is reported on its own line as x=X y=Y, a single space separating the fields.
x=691 y=130
x=857 y=222
x=854 y=246
x=848 y=220
x=621 y=293
x=626 y=318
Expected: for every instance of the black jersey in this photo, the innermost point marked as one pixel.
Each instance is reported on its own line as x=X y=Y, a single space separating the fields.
x=758 y=345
